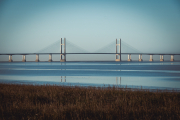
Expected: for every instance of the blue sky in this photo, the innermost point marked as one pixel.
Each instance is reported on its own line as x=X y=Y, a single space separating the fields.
x=31 y=25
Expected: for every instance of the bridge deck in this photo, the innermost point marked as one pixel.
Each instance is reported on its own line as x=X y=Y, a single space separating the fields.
x=90 y=53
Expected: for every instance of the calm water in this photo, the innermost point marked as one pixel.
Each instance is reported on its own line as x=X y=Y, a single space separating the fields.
x=151 y=75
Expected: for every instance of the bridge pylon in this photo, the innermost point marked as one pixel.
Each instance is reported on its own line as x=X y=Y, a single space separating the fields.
x=61 y=51
x=118 y=52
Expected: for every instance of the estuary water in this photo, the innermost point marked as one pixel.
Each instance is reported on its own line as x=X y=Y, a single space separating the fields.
x=144 y=75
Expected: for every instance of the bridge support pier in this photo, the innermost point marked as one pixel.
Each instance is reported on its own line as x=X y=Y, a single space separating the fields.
x=10 y=58
x=140 y=57
x=129 y=57
x=118 y=54
x=151 y=58
x=161 y=58
x=23 y=58
x=172 y=58
x=50 y=58
x=37 y=57
x=63 y=54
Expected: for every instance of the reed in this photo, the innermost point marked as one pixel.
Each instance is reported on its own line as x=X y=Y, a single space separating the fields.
x=63 y=102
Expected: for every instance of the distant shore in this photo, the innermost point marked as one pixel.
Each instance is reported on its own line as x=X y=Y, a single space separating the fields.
x=63 y=102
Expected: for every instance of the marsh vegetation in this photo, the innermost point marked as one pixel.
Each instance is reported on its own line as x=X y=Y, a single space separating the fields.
x=63 y=102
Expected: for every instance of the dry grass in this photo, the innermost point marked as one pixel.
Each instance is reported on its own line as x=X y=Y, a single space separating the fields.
x=58 y=102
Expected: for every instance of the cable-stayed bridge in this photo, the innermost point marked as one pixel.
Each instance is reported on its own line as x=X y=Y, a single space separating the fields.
x=73 y=48
x=68 y=51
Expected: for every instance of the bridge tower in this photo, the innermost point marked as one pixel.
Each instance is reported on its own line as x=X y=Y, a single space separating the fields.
x=61 y=51
x=118 y=52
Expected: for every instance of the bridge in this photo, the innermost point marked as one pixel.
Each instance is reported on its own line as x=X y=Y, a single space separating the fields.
x=118 y=52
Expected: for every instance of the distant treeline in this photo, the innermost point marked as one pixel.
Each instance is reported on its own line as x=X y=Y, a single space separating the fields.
x=62 y=102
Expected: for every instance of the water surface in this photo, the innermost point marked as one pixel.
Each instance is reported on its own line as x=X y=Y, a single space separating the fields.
x=147 y=75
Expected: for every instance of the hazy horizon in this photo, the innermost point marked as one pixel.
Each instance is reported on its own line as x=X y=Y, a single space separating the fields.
x=149 y=26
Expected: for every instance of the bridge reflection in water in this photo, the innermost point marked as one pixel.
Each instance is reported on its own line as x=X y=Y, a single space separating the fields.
x=118 y=80
x=64 y=79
